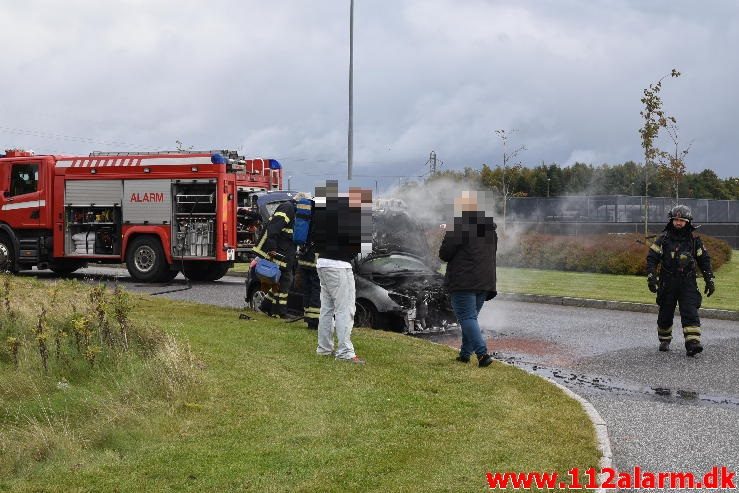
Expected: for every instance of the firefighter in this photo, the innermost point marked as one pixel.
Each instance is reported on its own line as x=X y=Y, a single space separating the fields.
x=276 y=244
x=307 y=258
x=677 y=253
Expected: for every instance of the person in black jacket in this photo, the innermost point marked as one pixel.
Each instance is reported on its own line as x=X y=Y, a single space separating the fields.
x=341 y=227
x=677 y=252
x=469 y=248
x=276 y=244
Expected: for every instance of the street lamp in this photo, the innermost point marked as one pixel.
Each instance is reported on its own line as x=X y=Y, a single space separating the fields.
x=632 y=188
x=548 y=180
x=350 y=131
x=288 y=182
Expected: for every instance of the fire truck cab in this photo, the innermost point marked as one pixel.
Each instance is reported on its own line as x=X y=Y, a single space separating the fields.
x=160 y=212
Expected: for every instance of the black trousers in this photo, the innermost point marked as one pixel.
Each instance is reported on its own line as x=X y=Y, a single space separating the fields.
x=275 y=300
x=679 y=291
x=311 y=295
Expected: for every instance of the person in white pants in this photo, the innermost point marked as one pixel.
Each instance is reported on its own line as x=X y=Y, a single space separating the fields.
x=337 y=308
x=341 y=229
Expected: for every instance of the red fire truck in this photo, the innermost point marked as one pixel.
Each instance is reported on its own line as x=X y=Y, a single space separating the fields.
x=159 y=212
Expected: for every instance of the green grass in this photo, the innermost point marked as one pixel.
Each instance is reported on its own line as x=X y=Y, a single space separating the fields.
x=612 y=287
x=270 y=415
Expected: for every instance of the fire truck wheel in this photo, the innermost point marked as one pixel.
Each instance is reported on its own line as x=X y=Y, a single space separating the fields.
x=6 y=255
x=205 y=271
x=145 y=259
x=168 y=275
x=64 y=270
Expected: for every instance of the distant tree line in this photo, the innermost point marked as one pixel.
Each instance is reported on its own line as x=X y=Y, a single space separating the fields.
x=586 y=179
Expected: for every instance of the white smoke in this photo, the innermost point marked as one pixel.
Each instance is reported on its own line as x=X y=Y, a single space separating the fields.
x=432 y=203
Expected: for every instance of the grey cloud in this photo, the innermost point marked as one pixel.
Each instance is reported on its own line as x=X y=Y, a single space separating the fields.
x=271 y=78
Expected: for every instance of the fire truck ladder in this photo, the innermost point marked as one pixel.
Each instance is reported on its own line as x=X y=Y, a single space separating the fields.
x=225 y=153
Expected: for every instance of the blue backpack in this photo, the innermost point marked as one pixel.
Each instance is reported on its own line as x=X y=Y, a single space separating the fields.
x=303 y=214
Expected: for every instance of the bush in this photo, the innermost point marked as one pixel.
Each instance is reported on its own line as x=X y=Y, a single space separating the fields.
x=76 y=338
x=608 y=254
x=74 y=364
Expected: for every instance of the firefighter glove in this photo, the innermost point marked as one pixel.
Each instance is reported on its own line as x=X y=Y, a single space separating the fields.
x=652 y=282
x=710 y=286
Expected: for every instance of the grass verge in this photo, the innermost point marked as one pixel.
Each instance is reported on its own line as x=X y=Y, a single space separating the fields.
x=613 y=287
x=270 y=415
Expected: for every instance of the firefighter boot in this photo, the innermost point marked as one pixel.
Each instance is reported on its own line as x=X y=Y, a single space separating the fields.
x=692 y=336
x=693 y=347
x=665 y=337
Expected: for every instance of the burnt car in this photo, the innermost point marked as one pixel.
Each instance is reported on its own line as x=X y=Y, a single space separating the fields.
x=398 y=286
x=399 y=291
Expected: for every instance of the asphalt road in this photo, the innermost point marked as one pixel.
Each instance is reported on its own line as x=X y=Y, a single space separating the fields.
x=228 y=291
x=664 y=411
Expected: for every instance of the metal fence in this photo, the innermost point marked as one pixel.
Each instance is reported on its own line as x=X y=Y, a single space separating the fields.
x=616 y=209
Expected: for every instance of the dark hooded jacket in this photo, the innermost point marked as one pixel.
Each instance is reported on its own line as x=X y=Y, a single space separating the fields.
x=469 y=248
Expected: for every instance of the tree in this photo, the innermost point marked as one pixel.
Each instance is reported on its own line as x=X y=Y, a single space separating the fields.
x=672 y=166
x=510 y=167
x=655 y=119
x=467 y=175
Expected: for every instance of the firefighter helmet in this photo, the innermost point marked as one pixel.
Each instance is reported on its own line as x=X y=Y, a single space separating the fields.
x=681 y=212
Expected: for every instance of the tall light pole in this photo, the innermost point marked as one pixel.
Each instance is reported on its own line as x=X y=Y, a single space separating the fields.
x=548 y=180
x=288 y=182
x=350 y=133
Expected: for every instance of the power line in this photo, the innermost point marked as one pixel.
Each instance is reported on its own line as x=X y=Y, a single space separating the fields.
x=56 y=136
x=89 y=140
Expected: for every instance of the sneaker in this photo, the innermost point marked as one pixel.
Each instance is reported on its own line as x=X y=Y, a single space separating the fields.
x=355 y=360
x=664 y=346
x=692 y=348
x=484 y=360
x=463 y=359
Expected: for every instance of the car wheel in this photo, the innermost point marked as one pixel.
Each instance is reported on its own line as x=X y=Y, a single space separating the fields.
x=366 y=315
x=256 y=296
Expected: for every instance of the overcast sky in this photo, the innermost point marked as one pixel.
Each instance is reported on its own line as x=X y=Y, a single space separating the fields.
x=270 y=78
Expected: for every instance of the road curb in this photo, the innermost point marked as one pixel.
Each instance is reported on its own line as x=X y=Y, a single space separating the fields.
x=610 y=305
x=599 y=425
